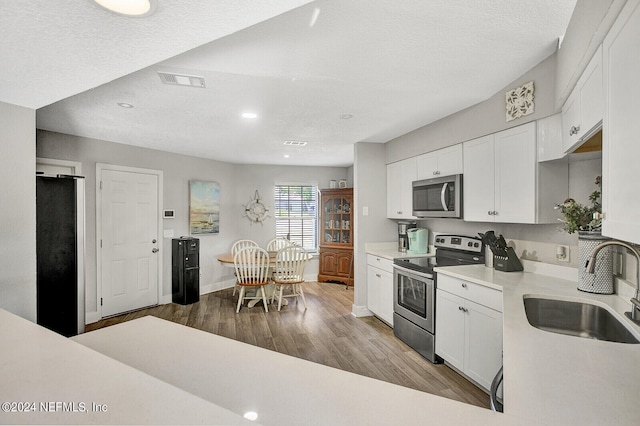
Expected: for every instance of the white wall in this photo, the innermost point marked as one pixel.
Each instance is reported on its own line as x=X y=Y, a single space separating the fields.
x=479 y=120
x=18 y=212
x=238 y=184
x=369 y=174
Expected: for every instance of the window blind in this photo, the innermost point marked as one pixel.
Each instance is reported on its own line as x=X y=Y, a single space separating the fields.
x=296 y=214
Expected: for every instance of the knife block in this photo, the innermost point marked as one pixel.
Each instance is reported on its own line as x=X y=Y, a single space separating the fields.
x=508 y=263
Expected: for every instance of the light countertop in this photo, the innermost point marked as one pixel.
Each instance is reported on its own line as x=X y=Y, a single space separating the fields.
x=46 y=378
x=282 y=389
x=557 y=379
x=389 y=250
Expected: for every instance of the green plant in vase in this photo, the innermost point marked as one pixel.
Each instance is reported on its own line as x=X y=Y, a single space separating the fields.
x=579 y=217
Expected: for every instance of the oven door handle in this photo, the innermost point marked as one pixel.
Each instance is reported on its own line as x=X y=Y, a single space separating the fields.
x=443 y=199
x=413 y=272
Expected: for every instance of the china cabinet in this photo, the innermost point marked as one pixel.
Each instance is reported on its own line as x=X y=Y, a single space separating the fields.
x=336 y=236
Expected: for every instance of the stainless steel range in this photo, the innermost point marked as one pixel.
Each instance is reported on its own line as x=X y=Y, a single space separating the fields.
x=414 y=285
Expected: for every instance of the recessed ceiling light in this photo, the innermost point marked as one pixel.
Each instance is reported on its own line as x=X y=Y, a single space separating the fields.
x=251 y=415
x=345 y=116
x=249 y=115
x=286 y=156
x=133 y=8
x=125 y=105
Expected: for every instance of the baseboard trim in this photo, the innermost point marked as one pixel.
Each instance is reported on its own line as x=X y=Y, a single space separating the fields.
x=360 y=311
x=220 y=285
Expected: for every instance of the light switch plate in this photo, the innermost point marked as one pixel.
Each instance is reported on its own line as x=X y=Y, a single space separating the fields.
x=168 y=233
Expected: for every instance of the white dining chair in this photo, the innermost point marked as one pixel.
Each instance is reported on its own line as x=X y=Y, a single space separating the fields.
x=278 y=243
x=237 y=246
x=289 y=272
x=252 y=271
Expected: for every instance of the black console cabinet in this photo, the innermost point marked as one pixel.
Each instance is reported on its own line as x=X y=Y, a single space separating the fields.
x=186 y=270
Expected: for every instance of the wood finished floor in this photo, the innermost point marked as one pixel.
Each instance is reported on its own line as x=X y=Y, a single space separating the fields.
x=325 y=333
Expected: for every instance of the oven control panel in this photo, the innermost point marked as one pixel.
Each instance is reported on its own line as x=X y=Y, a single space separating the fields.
x=459 y=242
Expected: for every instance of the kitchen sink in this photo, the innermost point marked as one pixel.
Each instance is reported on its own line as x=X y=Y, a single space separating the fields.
x=576 y=319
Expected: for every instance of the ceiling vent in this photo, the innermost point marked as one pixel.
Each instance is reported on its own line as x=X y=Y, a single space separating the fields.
x=295 y=143
x=182 y=79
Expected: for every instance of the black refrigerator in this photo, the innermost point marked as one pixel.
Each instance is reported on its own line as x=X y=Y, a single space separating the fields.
x=60 y=246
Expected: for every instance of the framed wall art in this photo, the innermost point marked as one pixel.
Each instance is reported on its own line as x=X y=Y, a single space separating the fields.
x=204 y=207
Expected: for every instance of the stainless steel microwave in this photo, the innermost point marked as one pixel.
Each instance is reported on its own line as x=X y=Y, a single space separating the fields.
x=438 y=197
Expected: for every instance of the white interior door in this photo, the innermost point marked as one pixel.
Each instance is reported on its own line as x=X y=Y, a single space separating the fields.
x=129 y=241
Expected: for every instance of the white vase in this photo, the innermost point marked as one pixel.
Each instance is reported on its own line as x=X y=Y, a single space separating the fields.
x=601 y=281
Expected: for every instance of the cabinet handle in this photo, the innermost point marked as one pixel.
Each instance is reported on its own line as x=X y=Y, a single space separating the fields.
x=495 y=213
x=574 y=130
x=399 y=212
x=460 y=308
x=378 y=275
x=464 y=285
x=490 y=212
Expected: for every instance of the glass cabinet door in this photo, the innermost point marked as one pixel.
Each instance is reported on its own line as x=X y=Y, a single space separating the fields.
x=337 y=220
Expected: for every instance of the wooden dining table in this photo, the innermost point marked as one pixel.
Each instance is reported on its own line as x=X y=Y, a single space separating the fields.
x=227 y=260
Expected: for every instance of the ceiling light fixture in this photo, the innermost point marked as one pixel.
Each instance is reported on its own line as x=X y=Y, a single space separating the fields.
x=251 y=415
x=345 y=116
x=132 y=8
x=124 y=105
x=286 y=156
x=249 y=115
x=294 y=143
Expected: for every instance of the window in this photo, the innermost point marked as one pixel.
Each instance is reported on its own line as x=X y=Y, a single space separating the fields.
x=296 y=214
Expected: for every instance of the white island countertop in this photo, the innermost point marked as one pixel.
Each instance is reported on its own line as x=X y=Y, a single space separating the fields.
x=558 y=379
x=46 y=378
x=282 y=389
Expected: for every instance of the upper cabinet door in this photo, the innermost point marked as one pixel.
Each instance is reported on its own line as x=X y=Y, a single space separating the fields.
x=571 y=122
x=400 y=177
x=450 y=160
x=582 y=112
x=443 y=162
x=479 y=179
x=427 y=166
x=621 y=127
x=515 y=176
x=592 y=95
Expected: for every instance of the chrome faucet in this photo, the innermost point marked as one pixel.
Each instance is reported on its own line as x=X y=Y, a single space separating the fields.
x=591 y=266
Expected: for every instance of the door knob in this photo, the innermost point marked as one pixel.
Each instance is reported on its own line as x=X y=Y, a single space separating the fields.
x=153 y=241
x=155 y=250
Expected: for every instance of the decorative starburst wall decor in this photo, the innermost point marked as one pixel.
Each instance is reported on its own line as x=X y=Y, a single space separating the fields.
x=519 y=101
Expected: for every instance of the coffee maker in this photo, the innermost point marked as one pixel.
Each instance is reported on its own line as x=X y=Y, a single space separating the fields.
x=403 y=238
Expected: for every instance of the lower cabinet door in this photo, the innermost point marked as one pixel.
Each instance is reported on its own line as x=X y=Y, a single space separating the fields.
x=450 y=328
x=374 y=282
x=483 y=345
x=386 y=297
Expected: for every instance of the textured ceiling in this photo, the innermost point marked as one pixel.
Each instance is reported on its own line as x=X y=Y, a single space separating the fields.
x=393 y=65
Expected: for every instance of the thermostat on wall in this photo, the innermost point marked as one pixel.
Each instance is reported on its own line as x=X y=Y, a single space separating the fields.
x=168 y=214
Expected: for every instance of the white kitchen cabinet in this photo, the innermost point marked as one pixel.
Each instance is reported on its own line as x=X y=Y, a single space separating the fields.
x=504 y=183
x=380 y=287
x=469 y=328
x=583 y=111
x=400 y=177
x=549 y=138
x=443 y=162
x=621 y=127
